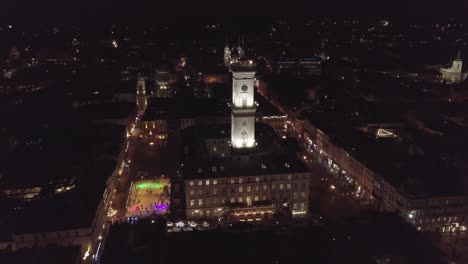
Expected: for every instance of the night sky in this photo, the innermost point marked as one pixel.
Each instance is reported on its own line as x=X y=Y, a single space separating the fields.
x=31 y=10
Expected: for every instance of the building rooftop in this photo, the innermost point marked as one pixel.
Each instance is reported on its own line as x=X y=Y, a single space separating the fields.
x=80 y=155
x=63 y=255
x=350 y=240
x=403 y=164
x=243 y=165
x=244 y=65
x=191 y=107
x=269 y=156
x=111 y=110
x=172 y=108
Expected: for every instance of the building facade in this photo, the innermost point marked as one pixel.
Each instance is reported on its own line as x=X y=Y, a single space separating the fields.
x=440 y=213
x=248 y=198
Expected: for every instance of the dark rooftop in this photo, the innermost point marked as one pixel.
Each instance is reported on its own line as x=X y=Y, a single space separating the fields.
x=172 y=108
x=64 y=255
x=111 y=110
x=83 y=156
x=269 y=156
x=402 y=164
x=352 y=240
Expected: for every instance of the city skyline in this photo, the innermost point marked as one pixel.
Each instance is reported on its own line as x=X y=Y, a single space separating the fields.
x=284 y=139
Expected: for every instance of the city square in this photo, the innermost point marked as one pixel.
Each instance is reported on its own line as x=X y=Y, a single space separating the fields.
x=148 y=197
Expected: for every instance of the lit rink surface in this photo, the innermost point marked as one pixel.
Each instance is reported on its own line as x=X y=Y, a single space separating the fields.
x=148 y=197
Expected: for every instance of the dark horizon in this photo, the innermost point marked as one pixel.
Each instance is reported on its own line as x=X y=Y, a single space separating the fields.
x=87 y=10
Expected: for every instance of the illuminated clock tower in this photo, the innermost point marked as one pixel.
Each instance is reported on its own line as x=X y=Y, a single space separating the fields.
x=243 y=105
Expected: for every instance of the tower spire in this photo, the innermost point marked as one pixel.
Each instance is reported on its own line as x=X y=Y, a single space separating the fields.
x=458 y=54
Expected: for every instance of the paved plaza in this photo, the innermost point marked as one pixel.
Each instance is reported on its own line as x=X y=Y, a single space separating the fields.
x=149 y=196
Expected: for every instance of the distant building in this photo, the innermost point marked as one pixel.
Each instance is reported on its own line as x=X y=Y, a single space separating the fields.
x=301 y=67
x=310 y=66
x=141 y=100
x=165 y=81
x=215 y=78
x=233 y=54
x=454 y=73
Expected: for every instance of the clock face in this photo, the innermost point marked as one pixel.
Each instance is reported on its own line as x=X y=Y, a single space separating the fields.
x=244 y=88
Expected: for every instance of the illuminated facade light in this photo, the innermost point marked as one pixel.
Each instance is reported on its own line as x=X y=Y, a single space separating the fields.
x=86 y=254
x=385 y=133
x=243 y=109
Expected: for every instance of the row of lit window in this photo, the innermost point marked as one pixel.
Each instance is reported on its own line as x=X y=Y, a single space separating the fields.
x=234 y=181
x=241 y=199
x=207 y=182
x=213 y=169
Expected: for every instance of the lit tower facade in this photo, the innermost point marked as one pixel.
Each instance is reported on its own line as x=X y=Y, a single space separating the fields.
x=141 y=95
x=243 y=105
x=456 y=65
